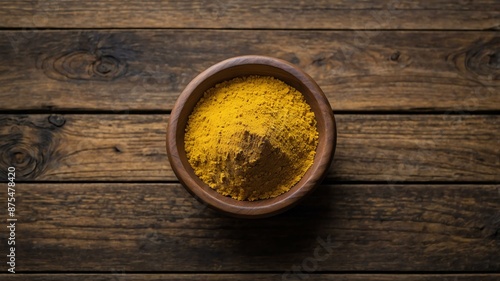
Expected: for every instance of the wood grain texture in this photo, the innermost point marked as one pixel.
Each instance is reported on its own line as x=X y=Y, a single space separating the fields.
x=339 y=14
x=146 y=70
x=118 y=275
x=160 y=227
x=369 y=147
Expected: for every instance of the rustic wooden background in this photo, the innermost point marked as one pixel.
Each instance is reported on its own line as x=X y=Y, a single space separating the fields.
x=86 y=89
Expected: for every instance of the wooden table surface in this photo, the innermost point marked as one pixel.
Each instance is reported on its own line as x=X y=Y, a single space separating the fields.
x=86 y=88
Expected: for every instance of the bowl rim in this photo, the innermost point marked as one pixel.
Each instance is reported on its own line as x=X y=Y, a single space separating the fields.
x=265 y=207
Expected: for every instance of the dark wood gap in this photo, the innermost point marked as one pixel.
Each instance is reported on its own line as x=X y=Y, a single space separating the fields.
x=419 y=112
x=343 y=112
x=261 y=272
x=326 y=182
x=83 y=112
x=495 y=28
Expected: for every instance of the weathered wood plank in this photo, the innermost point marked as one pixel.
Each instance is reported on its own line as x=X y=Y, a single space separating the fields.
x=160 y=227
x=85 y=147
x=117 y=275
x=146 y=70
x=340 y=14
x=370 y=147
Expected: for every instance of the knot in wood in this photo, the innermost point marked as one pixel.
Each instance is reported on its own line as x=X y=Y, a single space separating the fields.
x=107 y=67
x=83 y=65
x=481 y=60
x=22 y=156
x=57 y=120
x=27 y=146
x=495 y=60
x=395 y=56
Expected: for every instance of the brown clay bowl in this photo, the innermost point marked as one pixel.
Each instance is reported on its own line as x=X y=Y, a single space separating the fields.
x=243 y=66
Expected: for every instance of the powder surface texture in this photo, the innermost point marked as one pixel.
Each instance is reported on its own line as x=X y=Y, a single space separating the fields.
x=251 y=138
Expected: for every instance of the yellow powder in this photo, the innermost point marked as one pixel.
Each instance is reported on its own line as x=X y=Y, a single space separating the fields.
x=251 y=138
